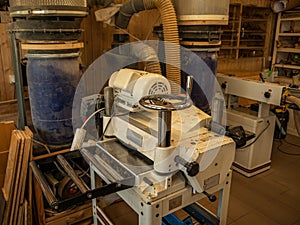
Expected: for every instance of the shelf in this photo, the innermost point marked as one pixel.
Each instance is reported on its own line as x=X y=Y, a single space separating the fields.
x=252 y=47
x=254 y=32
x=230 y=31
x=290 y=19
x=289 y=34
x=252 y=40
x=289 y=50
x=254 y=20
x=228 y=47
x=248 y=29
x=287 y=66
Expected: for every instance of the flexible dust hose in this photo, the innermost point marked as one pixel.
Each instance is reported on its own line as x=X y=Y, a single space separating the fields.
x=282 y=5
x=147 y=54
x=170 y=30
x=172 y=51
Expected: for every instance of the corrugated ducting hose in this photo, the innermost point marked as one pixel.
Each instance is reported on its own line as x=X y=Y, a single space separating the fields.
x=170 y=29
x=282 y=5
x=144 y=52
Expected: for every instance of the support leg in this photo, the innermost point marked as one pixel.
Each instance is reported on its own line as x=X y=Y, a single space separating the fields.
x=19 y=80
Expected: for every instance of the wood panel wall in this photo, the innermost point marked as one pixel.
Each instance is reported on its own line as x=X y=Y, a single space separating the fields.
x=7 y=90
x=97 y=38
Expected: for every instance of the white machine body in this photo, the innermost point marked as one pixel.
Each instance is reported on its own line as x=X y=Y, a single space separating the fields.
x=160 y=188
x=131 y=85
x=255 y=158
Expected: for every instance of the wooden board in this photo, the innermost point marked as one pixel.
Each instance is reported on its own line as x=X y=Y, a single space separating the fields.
x=63 y=46
x=15 y=177
x=22 y=175
x=10 y=175
x=257 y=3
x=16 y=180
x=11 y=165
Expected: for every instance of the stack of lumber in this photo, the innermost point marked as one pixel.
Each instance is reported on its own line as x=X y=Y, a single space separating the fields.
x=17 y=207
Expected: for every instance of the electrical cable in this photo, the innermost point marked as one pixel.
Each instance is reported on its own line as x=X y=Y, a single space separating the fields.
x=109 y=121
x=287 y=142
x=257 y=137
x=93 y=114
x=285 y=152
x=42 y=144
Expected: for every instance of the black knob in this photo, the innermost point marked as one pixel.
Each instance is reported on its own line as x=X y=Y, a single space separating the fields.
x=267 y=94
x=192 y=168
x=211 y=197
x=223 y=85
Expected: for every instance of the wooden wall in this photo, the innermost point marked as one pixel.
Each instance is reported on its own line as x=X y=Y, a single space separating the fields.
x=7 y=90
x=257 y=3
x=97 y=38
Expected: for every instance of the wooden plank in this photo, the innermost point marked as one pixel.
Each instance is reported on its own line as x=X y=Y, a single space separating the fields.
x=64 y=46
x=16 y=181
x=39 y=203
x=257 y=3
x=10 y=175
x=50 y=154
x=6 y=128
x=250 y=64
x=12 y=162
x=71 y=216
x=22 y=174
x=2 y=79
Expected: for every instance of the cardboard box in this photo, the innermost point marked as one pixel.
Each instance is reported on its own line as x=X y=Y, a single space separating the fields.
x=5 y=134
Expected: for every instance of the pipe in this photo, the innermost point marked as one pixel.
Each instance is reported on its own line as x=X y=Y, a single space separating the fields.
x=131 y=7
x=148 y=55
x=172 y=52
x=282 y=5
x=170 y=29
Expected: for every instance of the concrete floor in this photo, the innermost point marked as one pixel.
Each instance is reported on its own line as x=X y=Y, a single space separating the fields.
x=270 y=198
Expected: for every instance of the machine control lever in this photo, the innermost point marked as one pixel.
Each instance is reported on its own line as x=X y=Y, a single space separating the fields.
x=192 y=168
x=211 y=197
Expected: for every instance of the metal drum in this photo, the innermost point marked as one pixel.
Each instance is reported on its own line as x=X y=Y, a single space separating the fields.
x=196 y=11
x=21 y=8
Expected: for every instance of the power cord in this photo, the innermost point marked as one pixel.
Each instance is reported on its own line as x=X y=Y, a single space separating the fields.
x=285 y=152
x=257 y=137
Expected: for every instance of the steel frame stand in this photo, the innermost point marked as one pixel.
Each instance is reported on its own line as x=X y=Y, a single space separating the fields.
x=153 y=212
x=16 y=58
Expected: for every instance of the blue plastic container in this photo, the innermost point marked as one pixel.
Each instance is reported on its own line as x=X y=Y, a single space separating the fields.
x=52 y=81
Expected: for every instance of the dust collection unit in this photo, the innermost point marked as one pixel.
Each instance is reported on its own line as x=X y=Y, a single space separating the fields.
x=155 y=148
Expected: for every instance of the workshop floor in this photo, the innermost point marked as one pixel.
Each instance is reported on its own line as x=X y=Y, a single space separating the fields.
x=270 y=198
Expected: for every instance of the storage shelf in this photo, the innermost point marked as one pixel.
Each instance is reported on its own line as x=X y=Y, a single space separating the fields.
x=248 y=29
x=254 y=20
x=228 y=47
x=290 y=19
x=287 y=66
x=252 y=47
x=289 y=34
x=288 y=50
